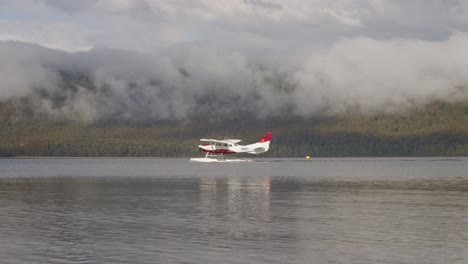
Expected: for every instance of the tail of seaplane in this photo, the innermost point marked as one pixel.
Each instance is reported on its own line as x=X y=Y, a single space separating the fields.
x=261 y=146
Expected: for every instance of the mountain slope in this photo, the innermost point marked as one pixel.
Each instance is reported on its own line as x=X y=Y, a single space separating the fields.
x=438 y=129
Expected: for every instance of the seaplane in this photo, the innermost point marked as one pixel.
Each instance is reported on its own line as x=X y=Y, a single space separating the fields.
x=215 y=149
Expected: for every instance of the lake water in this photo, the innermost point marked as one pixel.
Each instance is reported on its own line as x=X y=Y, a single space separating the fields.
x=353 y=210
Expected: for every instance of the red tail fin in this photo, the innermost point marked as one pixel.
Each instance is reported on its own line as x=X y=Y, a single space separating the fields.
x=266 y=137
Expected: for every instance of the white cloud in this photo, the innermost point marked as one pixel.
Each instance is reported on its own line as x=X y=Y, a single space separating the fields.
x=263 y=55
x=150 y=25
x=67 y=37
x=384 y=75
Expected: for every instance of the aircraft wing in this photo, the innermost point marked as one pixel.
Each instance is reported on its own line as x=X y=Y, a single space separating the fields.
x=227 y=141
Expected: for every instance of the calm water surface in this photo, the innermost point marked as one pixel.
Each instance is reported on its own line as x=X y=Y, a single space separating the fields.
x=358 y=210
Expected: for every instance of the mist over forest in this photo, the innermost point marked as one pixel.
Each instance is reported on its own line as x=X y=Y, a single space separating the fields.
x=365 y=75
x=153 y=60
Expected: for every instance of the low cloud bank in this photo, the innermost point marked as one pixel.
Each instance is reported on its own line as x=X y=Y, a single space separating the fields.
x=359 y=73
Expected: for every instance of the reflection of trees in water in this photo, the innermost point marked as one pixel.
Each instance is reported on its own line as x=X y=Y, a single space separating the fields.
x=236 y=207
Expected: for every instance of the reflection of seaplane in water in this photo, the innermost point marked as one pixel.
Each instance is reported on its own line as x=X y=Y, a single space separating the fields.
x=215 y=149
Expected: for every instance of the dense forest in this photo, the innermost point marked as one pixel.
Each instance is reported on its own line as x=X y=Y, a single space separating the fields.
x=436 y=129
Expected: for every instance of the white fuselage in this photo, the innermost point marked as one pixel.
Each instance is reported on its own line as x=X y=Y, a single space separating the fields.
x=218 y=148
x=230 y=148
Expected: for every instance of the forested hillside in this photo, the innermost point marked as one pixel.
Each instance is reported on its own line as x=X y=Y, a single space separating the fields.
x=437 y=129
x=107 y=102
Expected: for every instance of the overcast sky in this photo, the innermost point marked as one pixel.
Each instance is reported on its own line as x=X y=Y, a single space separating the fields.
x=371 y=53
x=149 y=25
